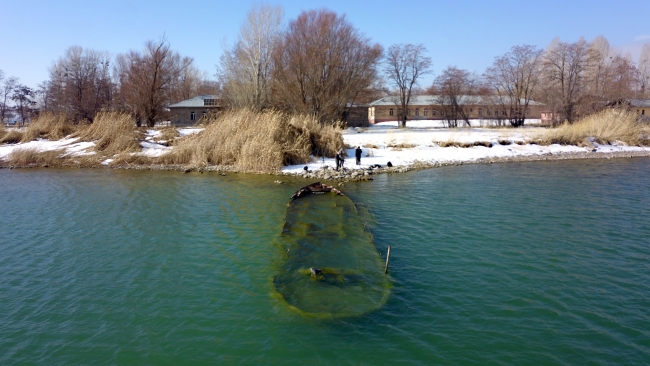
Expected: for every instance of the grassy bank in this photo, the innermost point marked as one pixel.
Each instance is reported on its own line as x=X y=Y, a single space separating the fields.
x=606 y=127
x=243 y=140
x=256 y=141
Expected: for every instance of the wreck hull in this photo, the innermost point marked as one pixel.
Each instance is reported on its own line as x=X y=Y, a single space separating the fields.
x=324 y=231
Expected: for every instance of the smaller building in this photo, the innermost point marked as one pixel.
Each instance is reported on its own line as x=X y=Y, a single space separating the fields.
x=191 y=111
x=640 y=106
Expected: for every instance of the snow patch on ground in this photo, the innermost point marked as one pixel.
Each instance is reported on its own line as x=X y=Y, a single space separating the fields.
x=70 y=145
x=189 y=131
x=419 y=142
x=152 y=149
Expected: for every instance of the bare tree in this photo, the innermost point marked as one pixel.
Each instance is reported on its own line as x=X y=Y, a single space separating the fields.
x=23 y=97
x=564 y=68
x=513 y=78
x=621 y=79
x=453 y=88
x=644 y=70
x=597 y=68
x=246 y=69
x=6 y=91
x=404 y=65
x=321 y=64
x=146 y=80
x=80 y=84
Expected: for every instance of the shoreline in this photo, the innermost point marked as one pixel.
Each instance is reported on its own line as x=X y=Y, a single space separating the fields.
x=364 y=173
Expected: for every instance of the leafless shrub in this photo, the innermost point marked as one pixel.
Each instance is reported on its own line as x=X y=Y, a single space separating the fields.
x=402 y=145
x=454 y=143
x=113 y=133
x=25 y=157
x=604 y=127
x=50 y=126
x=483 y=143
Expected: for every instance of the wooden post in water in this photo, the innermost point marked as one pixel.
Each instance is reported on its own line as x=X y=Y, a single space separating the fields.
x=387 y=257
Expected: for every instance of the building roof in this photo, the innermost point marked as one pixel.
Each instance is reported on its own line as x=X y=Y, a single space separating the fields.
x=437 y=99
x=199 y=101
x=641 y=103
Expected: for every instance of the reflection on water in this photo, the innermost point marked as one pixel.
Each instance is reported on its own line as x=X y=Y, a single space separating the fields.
x=514 y=263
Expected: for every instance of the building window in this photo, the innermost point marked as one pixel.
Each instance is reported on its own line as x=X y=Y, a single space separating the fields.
x=192 y=116
x=203 y=114
x=489 y=113
x=417 y=111
x=480 y=112
x=390 y=112
x=433 y=112
x=209 y=102
x=425 y=112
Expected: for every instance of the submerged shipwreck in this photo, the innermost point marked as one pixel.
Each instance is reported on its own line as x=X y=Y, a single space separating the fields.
x=330 y=266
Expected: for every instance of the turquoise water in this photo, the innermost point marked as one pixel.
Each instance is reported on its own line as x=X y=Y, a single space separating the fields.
x=531 y=263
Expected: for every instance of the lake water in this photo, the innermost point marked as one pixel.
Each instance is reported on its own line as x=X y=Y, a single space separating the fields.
x=520 y=263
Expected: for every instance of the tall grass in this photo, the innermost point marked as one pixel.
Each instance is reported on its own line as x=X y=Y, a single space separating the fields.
x=113 y=133
x=256 y=141
x=10 y=136
x=605 y=127
x=50 y=126
x=24 y=157
x=167 y=136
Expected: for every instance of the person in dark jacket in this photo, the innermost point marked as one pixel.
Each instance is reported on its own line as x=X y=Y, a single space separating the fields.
x=357 y=153
x=339 y=159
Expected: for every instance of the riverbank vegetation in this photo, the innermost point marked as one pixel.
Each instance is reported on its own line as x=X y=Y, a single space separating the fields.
x=607 y=127
x=245 y=140
x=256 y=141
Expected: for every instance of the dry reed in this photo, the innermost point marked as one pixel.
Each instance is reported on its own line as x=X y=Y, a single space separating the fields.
x=464 y=145
x=50 y=126
x=113 y=133
x=256 y=141
x=25 y=157
x=167 y=136
x=11 y=136
x=605 y=127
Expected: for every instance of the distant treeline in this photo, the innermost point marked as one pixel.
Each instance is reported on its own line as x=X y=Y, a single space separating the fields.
x=319 y=64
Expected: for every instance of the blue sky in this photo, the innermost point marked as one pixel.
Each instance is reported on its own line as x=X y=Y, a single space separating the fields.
x=465 y=34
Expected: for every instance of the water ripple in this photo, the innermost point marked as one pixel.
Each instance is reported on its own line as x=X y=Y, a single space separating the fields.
x=507 y=264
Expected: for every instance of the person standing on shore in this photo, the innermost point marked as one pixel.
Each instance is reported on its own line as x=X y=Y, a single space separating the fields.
x=357 y=153
x=339 y=159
